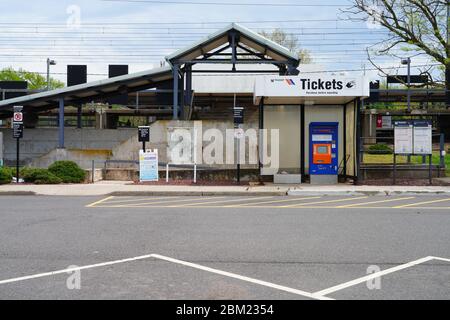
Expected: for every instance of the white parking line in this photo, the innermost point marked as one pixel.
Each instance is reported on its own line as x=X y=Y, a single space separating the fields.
x=92 y=266
x=242 y=278
x=441 y=259
x=372 y=276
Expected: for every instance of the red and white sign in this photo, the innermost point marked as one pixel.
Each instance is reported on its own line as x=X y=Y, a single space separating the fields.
x=18 y=117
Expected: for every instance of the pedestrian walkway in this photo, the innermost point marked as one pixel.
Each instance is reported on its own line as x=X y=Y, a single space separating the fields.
x=115 y=188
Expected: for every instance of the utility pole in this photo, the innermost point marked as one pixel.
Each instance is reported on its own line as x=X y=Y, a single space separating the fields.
x=49 y=63
x=447 y=65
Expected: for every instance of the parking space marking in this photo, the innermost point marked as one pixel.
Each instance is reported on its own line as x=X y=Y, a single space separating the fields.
x=269 y=202
x=214 y=202
x=92 y=266
x=243 y=278
x=372 y=276
x=421 y=203
x=99 y=202
x=321 y=202
x=150 y=204
x=138 y=199
x=374 y=202
x=442 y=259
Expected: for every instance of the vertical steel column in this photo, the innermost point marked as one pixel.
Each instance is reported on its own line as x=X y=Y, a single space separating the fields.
x=261 y=127
x=188 y=84
x=176 y=68
x=79 y=117
x=359 y=142
x=233 y=50
x=441 y=154
x=61 y=124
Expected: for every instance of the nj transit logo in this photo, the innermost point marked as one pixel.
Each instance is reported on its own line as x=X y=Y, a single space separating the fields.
x=290 y=82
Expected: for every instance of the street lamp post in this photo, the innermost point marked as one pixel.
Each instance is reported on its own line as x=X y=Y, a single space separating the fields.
x=49 y=63
x=407 y=62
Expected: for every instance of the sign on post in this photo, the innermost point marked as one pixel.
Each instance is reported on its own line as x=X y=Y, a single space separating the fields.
x=17 y=130
x=238 y=116
x=403 y=137
x=144 y=134
x=148 y=166
x=423 y=138
x=17 y=134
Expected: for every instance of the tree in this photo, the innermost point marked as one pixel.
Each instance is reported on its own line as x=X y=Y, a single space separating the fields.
x=290 y=42
x=415 y=28
x=35 y=80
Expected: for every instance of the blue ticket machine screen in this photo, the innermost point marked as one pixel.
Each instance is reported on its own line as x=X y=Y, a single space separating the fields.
x=324 y=147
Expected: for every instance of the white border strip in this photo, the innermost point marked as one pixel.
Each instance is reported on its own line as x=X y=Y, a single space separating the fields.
x=242 y=278
x=372 y=276
x=53 y=273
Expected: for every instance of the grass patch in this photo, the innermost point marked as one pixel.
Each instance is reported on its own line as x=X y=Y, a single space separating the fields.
x=389 y=159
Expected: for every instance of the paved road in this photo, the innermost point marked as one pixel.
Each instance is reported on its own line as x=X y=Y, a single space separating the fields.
x=225 y=247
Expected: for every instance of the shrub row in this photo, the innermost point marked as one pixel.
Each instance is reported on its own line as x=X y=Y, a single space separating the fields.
x=59 y=172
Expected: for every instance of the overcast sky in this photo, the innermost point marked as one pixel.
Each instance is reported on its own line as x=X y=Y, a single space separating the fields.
x=98 y=33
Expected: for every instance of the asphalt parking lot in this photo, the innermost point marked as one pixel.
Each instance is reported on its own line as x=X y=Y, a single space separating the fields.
x=263 y=248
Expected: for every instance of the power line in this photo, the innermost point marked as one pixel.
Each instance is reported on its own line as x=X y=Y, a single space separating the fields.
x=240 y=4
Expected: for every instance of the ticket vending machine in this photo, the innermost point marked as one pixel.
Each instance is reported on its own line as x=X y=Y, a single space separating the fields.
x=324 y=153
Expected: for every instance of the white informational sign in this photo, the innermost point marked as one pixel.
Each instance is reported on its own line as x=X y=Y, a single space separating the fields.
x=386 y=122
x=148 y=166
x=423 y=140
x=404 y=139
x=318 y=85
x=18 y=117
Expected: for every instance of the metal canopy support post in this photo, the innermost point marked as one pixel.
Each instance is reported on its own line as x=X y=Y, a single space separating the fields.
x=261 y=135
x=431 y=169
x=175 y=91
x=79 y=116
x=395 y=170
x=359 y=142
x=188 y=98
x=61 y=124
x=234 y=41
x=441 y=154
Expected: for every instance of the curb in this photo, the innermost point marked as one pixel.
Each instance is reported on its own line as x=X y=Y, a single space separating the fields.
x=197 y=193
x=18 y=193
x=366 y=193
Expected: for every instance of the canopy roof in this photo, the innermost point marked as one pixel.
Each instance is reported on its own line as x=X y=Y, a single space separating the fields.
x=92 y=91
x=245 y=36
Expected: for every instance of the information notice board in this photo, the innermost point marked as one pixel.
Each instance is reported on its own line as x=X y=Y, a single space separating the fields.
x=413 y=138
x=423 y=138
x=404 y=132
x=148 y=166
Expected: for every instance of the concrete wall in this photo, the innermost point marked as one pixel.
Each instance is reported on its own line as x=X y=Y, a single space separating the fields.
x=287 y=119
x=40 y=142
x=159 y=132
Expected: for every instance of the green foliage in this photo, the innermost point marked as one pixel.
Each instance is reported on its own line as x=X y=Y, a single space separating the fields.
x=40 y=176
x=68 y=171
x=380 y=149
x=5 y=176
x=35 y=80
x=290 y=42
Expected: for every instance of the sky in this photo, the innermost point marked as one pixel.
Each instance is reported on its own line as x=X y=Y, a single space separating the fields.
x=140 y=34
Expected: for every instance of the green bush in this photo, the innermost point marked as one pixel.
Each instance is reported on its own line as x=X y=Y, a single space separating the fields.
x=380 y=149
x=40 y=176
x=68 y=171
x=5 y=176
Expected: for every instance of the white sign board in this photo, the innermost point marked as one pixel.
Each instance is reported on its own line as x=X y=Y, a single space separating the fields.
x=386 y=122
x=404 y=139
x=318 y=85
x=18 y=117
x=423 y=140
x=148 y=166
